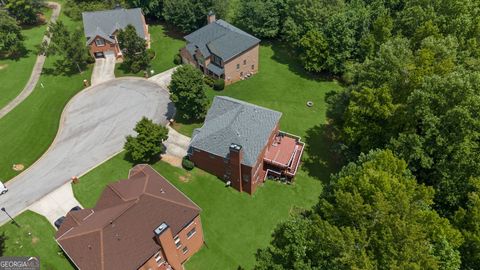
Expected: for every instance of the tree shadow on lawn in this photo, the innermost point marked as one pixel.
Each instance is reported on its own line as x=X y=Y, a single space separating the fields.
x=286 y=55
x=320 y=161
x=169 y=30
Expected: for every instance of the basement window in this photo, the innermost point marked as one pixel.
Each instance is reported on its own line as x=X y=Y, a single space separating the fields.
x=178 y=244
x=185 y=250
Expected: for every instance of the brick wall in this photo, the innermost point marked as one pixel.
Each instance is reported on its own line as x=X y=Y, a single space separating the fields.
x=244 y=63
x=107 y=47
x=194 y=243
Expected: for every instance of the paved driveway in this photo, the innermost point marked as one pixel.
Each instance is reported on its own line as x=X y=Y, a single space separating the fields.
x=104 y=69
x=93 y=128
x=176 y=147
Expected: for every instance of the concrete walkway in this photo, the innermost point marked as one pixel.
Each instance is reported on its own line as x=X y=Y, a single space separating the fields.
x=92 y=129
x=56 y=204
x=37 y=69
x=104 y=69
x=163 y=79
x=176 y=147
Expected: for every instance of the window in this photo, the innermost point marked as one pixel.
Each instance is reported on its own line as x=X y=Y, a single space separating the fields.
x=217 y=60
x=191 y=233
x=211 y=156
x=241 y=74
x=253 y=66
x=185 y=250
x=238 y=66
x=245 y=61
x=159 y=259
x=100 y=42
x=246 y=178
x=178 y=244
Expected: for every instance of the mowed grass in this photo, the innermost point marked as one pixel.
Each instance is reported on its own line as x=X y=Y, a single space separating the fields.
x=29 y=129
x=14 y=73
x=281 y=85
x=235 y=224
x=166 y=43
x=34 y=237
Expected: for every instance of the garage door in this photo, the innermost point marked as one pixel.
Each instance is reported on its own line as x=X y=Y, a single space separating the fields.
x=99 y=55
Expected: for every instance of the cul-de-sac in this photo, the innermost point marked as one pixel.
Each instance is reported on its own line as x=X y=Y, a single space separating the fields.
x=239 y=134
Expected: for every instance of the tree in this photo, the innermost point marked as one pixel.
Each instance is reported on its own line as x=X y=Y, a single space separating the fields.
x=69 y=45
x=189 y=15
x=148 y=144
x=372 y=215
x=151 y=8
x=11 y=38
x=262 y=18
x=24 y=11
x=187 y=90
x=134 y=49
x=468 y=221
x=3 y=238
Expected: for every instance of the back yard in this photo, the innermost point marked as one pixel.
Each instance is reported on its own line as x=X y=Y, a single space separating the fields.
x=236 y=224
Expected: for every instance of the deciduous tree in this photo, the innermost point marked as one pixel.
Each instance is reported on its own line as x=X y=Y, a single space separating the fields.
x=24 y=11
x=372 y=215
x=134 y=49
x=148 y=144
x=11 y=38
x=188 y=92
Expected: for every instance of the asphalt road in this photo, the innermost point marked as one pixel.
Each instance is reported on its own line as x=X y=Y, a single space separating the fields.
x=93 y=128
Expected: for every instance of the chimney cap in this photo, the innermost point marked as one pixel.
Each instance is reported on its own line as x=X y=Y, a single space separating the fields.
x=160 y=229
x=235 y=146
x=210 y=13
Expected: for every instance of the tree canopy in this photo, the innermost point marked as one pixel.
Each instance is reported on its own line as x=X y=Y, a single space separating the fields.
x=187 y=90
x=67 y=44
x=11 y=38
x=134 y=49
x=189 y=15
x=148 y=144
x=372 y=215
x=24 y=11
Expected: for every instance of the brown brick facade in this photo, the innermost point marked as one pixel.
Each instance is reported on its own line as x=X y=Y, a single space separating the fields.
x=246 y=180
x=242 y=65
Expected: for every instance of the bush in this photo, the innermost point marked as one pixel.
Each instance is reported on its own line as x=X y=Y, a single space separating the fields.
x=187 y=164
x=209 y=81
x=177 y=59
x=219 y=84
x=151 y=54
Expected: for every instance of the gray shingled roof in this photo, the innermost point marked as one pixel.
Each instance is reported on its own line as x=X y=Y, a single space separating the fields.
x=234 y=121
x=222 y=39
x=105 y=23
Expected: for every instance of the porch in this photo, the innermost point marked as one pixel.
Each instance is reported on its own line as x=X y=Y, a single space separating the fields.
x=283 y=156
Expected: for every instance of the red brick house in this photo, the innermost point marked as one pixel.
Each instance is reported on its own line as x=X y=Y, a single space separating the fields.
x=101 y=29
x=143 y=222
x=241 y=143
x=221 y=50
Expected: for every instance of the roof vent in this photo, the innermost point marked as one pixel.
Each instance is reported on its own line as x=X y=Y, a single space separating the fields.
x=160 y=229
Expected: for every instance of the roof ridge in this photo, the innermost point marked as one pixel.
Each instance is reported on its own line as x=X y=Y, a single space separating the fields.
x=168 y=200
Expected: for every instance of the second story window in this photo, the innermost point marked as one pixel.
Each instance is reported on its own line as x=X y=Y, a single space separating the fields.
x=238 y=66
x=245 y=61
x=191 y=233
x=100 y=42
x=217 y=60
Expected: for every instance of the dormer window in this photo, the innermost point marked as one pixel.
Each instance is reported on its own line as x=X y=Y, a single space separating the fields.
x=100 y=42
x=217 y=60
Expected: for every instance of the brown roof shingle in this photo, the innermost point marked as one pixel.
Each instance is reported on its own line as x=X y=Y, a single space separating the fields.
x=118 y=232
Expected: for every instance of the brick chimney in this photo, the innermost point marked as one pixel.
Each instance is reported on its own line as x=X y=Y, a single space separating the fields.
x=164 y=237
x=211 y=17
x=235 y=164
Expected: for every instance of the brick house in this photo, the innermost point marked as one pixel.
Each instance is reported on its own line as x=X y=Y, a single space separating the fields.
x=143 y=223
x=241 y=143
x=221 y=50
x=101 y=28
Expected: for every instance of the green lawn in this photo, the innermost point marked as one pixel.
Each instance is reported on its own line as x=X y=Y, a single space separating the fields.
x=166 y=43
x=281 y=85
x=14 y=74
x=235 y=224
x=30 y=128
x=35 y=237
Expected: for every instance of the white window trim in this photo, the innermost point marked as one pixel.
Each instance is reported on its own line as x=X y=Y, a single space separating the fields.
x=100 y=39
x=191 y=235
